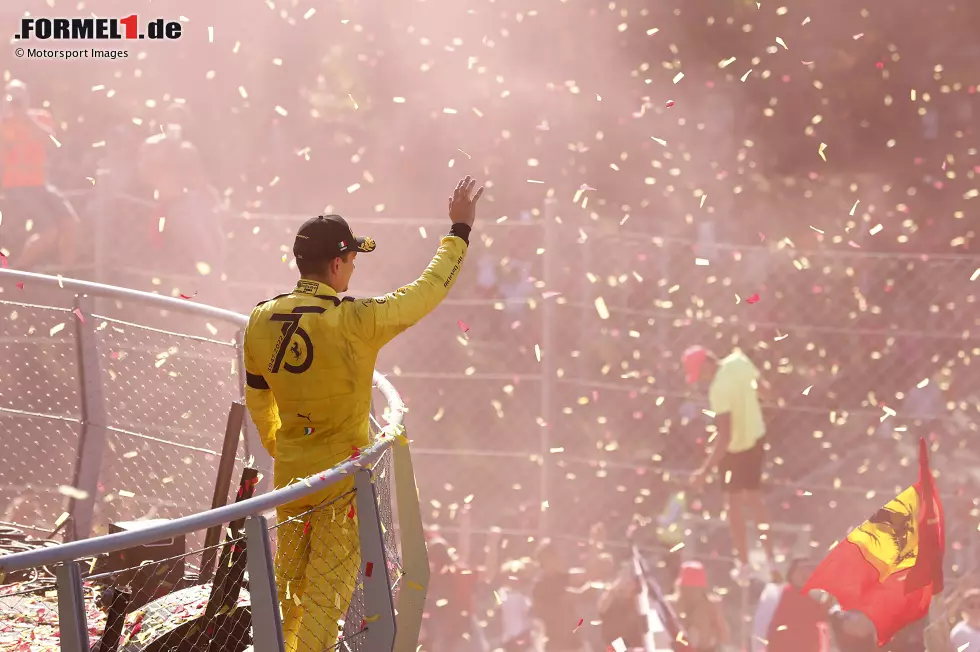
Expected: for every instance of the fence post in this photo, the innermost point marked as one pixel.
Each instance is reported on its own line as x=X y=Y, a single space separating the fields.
x=378 y=605
x=71 y=609
x=92 y=440
x=549 y=355
x=266 y=618
x=415 y=558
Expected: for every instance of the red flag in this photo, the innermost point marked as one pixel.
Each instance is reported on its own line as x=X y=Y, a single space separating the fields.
x=890 y=566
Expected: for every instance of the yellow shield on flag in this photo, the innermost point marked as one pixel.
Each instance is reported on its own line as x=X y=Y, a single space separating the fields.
x=889 y=540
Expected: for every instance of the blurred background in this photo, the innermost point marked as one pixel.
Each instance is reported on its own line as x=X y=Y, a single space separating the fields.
x=796 y=181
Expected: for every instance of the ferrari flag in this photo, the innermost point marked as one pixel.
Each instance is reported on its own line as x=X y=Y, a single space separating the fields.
x=890 y=566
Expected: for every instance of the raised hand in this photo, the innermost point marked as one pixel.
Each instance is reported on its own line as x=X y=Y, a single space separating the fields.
x=462 y=205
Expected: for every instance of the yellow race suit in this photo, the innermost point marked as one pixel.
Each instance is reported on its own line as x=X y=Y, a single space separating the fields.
x=309 y=360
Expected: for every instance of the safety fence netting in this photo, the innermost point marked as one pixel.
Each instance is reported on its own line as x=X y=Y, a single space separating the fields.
x=171 y=595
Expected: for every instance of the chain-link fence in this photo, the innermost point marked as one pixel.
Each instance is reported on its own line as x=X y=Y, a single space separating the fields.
x=550 y=385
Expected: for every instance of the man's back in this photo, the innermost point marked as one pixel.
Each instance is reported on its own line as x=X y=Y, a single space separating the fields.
x=320 y=371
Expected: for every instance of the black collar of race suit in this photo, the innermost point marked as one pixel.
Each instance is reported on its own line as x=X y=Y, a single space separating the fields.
x=319 y=290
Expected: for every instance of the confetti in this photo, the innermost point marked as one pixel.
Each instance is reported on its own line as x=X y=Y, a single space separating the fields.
x=56 y=329
x=78 y=313
x=463 y=326
x=820 y=151
x=669 y=103
x=579 y=625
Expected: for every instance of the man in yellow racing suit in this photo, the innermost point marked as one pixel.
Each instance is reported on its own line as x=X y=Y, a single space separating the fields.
x=309 y=360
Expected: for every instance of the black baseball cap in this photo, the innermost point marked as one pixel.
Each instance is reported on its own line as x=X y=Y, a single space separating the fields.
x=326 y=236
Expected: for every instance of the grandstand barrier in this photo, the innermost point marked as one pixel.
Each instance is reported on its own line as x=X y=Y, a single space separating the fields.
x=79 y=380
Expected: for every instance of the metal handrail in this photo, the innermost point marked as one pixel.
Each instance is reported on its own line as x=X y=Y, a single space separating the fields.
x=111 y=291
x=195 y=522
x=203 y=520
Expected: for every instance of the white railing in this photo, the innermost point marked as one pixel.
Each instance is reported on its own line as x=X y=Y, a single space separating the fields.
x=384 y=567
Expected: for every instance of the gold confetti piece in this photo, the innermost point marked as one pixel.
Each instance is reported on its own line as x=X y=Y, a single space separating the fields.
x=414 y=585
x=780 y=338
x=497 y=598
x=805 y=21
x=659 y=140
x=61 y=520
x=126 y=494
x=923 y=383
x=738 y=299
x=73 y=492
x=823 y=147
x=854 y=207
x=533 y=181
x=56 y=329
x=353 y=188
x=537 y=352
x=544 y=505
x=703 y=197
x=54 y=140
x=708 y=413
x=61 y=282
x=652 y=31
x=203 y=268
x=976 y=274
x=309 y=13
x=241 y=89
x=679 y=76
x=779 y=40
x=439 y=414
x=726 y=62
x=806 y=392
x=677 y=547
x=211 y=328
x=817 y=230
x=746 y=75
x=857 y=36
x=296 y=599
x=876 y=229
x=372 y=619
x=210 y=34
x=701 y=262
x=600 y=307
x=353 y=101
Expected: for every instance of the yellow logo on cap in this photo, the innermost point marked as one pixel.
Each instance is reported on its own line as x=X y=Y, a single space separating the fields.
x=368 y=245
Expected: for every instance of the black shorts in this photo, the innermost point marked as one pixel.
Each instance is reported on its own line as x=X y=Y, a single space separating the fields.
x=743 y=471
x=42 y=205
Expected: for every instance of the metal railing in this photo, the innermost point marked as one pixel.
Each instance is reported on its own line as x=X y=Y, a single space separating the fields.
x=379 y=483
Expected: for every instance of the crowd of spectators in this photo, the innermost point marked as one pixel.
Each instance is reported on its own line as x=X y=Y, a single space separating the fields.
x=820 y=158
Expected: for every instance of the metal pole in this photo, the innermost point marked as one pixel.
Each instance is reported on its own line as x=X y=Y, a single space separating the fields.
x=92 y=440
x=380 y=634
x=415 y=557
x=549 y=354
x=266 y=619
x=226 y=467
x=71 y=609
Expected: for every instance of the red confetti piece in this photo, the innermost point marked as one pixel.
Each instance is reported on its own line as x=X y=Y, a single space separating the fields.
x=363 y=623
x=20 y=285
x=355 y=452
x=78 y=313
x=306 y=528
x=369 y=569
x=580 y=621
x=3 y=260
x=753 y=299
x=350 y=512
x=188 y=296
x=462 y=326
x=669 y=103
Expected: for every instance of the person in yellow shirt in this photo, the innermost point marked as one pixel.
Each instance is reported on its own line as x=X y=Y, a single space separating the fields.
x=739 y=443
x=309 y=362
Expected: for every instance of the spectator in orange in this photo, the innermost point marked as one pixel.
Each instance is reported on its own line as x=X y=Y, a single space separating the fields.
x=25 y=135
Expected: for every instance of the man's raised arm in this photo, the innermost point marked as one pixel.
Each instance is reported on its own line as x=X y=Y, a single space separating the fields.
x=377 y=321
